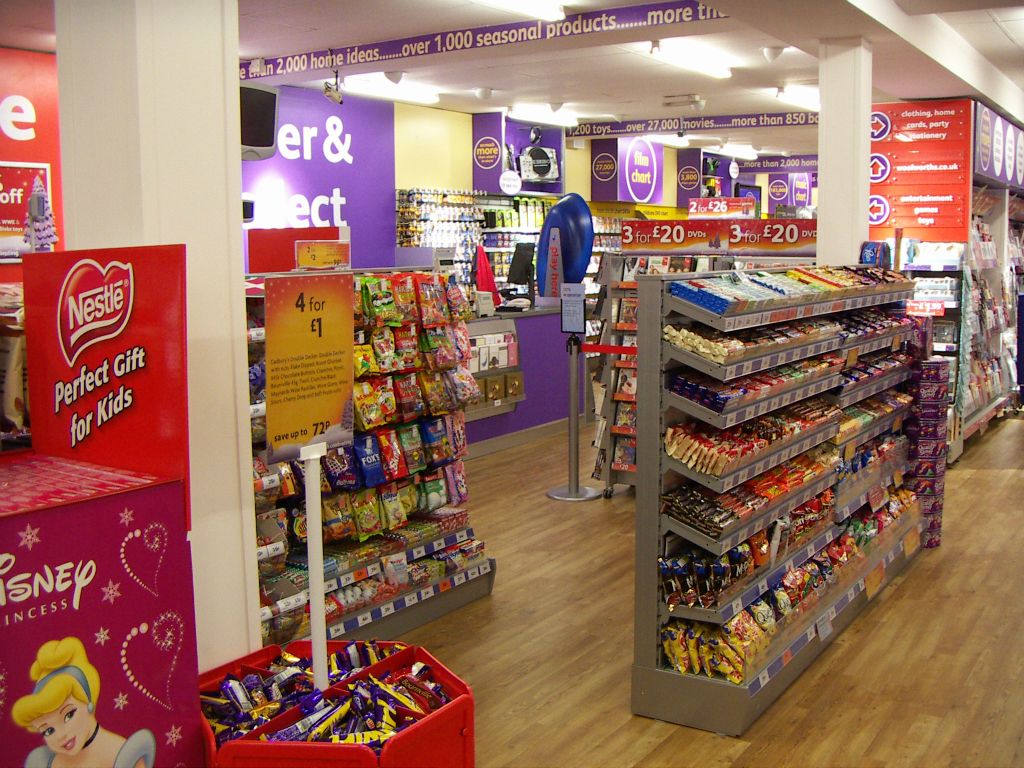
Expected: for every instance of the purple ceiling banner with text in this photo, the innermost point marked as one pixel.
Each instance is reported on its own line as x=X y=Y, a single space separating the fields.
x=334 y=166
x=488 y=151
x=641 y=166
x=604 y=170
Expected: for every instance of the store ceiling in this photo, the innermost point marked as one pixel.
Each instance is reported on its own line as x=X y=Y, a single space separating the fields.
x=604 y=76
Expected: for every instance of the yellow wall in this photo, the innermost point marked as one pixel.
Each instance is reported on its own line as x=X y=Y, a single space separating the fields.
x=433 y=148
x=577 y=169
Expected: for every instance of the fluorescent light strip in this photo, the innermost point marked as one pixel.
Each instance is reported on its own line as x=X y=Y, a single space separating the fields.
x=376 y=85
x=803 y=96
x=667 y=140
x=693 y=57
x=537 y=9
x=542 y=113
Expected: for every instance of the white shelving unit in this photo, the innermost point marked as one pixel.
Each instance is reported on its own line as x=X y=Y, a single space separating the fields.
x=716 y=704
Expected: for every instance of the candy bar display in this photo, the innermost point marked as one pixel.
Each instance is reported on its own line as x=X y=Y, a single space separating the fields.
x=718 y=452
x=695 y=577
x=714 y=513
x=398 y=488
x=434 y=218
x=375 y=692
x=752 y=548
x=862 y=415
x=750 y=291
x=720 y=347
x=725 y=396
x=871 y=367
x=739 y=648
x=927 y=431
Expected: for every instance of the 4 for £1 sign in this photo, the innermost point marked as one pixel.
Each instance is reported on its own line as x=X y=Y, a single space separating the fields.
x=309 y=329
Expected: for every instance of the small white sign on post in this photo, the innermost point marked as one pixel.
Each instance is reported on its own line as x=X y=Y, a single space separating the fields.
x=574 y=315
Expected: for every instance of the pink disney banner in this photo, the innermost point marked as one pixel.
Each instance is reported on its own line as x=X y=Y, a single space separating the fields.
x=97 y=638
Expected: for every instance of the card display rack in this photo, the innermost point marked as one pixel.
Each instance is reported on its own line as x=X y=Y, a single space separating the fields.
x=716 y=704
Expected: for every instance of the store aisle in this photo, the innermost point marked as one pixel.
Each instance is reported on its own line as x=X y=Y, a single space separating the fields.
x=927 y=675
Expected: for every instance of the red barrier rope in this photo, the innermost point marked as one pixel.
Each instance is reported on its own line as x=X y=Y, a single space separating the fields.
x=608 y=349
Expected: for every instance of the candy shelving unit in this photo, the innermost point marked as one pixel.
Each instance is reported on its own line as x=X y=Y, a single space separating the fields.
x=716 y=703
x=439 y=587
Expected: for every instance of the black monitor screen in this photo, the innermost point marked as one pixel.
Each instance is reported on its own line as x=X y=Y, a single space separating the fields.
x=258 y=109
x=521 y=269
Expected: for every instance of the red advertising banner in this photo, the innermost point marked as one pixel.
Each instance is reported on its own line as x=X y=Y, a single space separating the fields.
x=107 y=357
x=722 y=208
x=693 y=236
x=920 y=169
x=924 y=308
x=97 y=619
x=780 y=237
x=29 y=149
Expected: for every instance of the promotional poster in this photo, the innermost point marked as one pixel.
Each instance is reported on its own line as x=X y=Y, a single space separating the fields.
x=108 y=356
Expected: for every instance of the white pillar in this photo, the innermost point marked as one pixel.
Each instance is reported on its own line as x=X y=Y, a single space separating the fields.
x=844 y=148
x=151 y=154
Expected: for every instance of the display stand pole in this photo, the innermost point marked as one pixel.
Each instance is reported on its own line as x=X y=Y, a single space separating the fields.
x=573 y=491
x=311 y=455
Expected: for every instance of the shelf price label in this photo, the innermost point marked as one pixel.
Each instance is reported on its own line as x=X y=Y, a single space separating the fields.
x=387 y=609
x=364 y=619
x=309 y=343
x=923 y=308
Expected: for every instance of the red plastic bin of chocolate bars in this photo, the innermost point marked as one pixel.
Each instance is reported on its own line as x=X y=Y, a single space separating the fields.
x=255 y=662
x=258 y=662
x=442 y=739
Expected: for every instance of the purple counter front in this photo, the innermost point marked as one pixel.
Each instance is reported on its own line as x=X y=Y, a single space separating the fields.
x=542 y=359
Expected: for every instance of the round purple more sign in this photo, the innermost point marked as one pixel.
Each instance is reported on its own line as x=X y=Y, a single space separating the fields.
x=641 y=170
x=688 y=178
x=778 y=190
x=985 y=138
x=487 y=153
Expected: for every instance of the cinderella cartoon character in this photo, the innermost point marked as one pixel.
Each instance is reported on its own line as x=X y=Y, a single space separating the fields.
x=62 y=709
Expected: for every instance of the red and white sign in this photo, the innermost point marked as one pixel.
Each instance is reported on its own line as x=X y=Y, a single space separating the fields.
x=722 y=208
x=29 y=144
x=107 y=357
x=784 y=237
x=921 y=170
x=691 y=236
x=922 y=308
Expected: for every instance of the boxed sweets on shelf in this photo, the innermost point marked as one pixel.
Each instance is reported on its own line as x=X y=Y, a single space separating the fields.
x=861 y=415
x=717 y=452
x=865 y=324
x=723 y=396
x=719 y=347
x=712 y=514
x=873 y=366
x=750 y=291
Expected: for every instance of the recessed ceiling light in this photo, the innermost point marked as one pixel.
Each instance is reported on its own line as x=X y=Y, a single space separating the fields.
x=377 y=85
x=692 y=56
x=803 y=96
x=538 y=9
x=542 y=113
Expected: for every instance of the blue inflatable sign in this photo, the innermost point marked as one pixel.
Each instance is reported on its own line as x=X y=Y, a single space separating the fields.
x=566 y=243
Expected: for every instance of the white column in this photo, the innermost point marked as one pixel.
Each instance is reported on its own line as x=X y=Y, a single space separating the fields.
x=844 y=148
x=151 y=154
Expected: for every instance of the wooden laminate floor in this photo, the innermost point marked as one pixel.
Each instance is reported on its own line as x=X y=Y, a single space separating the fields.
x=930 y=674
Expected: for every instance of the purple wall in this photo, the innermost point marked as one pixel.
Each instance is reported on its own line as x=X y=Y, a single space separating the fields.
x=488 y=151
x=688 y=175
x=334 y=165
x=542 y=358
x=604 y=170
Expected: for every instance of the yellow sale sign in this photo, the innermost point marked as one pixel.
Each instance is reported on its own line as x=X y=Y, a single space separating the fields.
x=309 y=330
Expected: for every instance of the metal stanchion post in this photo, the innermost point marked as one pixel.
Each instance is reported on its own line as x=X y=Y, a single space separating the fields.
x=573 y=491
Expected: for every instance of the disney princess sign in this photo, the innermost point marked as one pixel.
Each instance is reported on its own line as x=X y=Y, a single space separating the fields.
x=97 y=639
